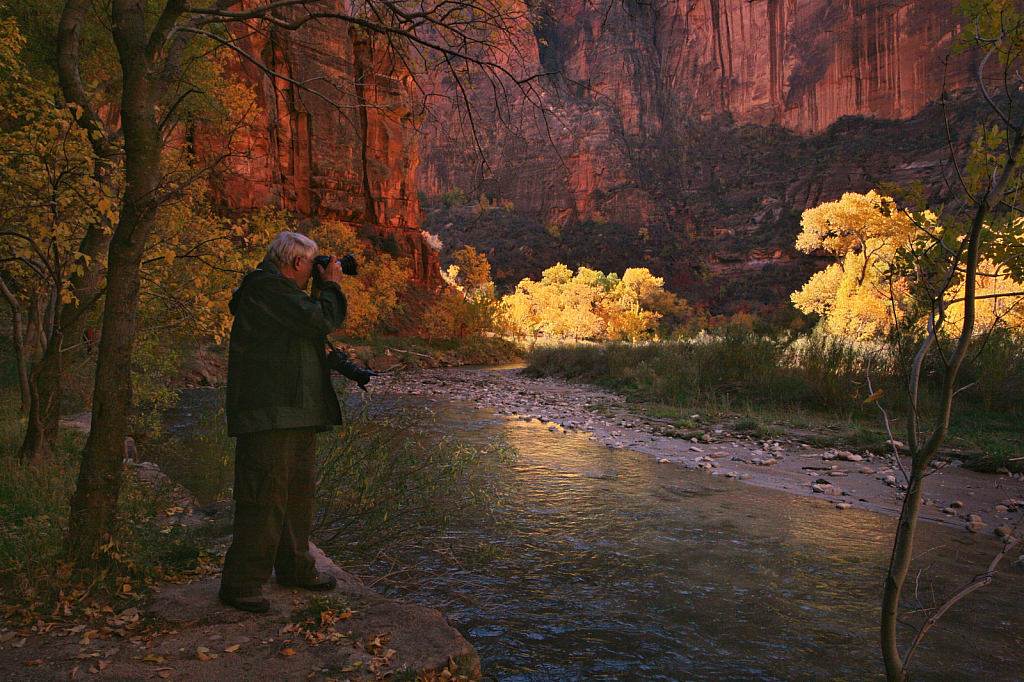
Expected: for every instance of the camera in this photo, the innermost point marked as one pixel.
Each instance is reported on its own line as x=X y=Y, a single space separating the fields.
x=348 y=267
x=348 y=369
x=348 y=263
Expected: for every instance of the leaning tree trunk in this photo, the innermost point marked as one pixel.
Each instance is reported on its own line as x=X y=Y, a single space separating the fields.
x=94 y=504
x=903 y=545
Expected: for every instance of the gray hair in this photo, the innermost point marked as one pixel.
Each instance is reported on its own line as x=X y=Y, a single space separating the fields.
x=287 y=246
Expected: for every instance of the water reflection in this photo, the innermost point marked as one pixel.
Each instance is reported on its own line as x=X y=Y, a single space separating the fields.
x=601 y=564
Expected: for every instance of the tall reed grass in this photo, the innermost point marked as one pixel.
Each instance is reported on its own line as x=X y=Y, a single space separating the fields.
x=812 y=372
x=383 y=478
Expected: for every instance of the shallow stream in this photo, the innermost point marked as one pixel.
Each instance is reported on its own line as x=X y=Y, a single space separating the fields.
x=602 y=564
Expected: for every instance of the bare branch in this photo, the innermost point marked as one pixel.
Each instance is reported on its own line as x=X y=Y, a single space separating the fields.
x=977 y=583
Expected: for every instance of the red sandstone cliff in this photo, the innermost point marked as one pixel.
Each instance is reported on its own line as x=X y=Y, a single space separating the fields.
x=335 y=136
x=633 y=78
x=699 y=130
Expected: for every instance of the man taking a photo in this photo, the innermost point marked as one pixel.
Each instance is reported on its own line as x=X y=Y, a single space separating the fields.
x=279 y=395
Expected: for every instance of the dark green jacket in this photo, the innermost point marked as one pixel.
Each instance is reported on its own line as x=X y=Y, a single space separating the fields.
x=277 y=371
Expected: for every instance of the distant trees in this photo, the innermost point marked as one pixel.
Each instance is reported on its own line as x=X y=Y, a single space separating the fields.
x=589 y=304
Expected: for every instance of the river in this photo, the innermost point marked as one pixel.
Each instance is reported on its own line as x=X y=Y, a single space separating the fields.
x=598 y=563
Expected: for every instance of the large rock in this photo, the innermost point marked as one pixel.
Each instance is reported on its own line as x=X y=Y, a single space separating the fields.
x=419 y=637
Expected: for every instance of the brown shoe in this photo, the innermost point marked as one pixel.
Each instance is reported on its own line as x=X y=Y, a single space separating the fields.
x=255 y=604
x=321 y=582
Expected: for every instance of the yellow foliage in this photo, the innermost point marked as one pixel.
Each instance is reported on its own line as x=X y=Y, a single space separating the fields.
x=858 y=297
x=855 y=223
x=589 y=304
x=49 y=193
x=472 y=270
x=855 y=295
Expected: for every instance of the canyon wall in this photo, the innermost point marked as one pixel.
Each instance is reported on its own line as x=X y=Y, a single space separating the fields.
x=334 y=137
x=693 y=132
x=634 y=77
x=706 y=126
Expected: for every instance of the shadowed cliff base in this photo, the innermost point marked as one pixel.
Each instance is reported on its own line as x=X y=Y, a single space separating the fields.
x=722 y=203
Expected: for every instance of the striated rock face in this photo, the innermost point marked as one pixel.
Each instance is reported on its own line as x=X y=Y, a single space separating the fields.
x=799 y=64
x=637 y=75
x=342 y=146
x=713 y=123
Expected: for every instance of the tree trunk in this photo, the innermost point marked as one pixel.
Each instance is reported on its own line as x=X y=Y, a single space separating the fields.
x=44 y=408
x=94 y=504
x=899 y=566
x=20 y=352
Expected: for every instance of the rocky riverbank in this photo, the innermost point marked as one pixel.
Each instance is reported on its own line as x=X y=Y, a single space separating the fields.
x=975 y=502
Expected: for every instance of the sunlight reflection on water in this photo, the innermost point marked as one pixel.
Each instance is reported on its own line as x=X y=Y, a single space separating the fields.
x=601 y=564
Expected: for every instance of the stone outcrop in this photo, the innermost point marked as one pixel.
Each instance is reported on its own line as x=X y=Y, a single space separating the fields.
x=333 y=137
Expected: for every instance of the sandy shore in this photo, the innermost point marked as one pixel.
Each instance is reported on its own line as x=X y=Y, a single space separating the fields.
x=975 y=502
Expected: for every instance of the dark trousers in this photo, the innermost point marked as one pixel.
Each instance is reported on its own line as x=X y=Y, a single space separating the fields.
x=275 y=481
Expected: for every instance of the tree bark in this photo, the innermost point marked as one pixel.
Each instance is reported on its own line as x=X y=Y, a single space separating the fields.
x=94 y=504
x=899 y=566
x=44 y=407
x=21 y=354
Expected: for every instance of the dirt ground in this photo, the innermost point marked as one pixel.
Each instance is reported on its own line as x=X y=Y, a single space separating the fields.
x=185 y=634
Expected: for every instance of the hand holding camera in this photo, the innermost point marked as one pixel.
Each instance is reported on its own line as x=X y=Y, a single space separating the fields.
x=348 y=369
x=328 y=269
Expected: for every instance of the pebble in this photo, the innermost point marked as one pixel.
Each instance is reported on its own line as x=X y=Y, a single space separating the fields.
x=974 y=518
x=843 y=505
x=957 y=505
x=1004 y=531
x=891 y=480
x=850 y=457
x=949 y=510
x=976 y=526
x=1001 y=508
x=867 y=470
x=663 y=460
x=694 y=448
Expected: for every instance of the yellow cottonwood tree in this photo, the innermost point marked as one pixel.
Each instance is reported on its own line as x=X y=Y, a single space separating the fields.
x=863 y=232
x=373 y=294
x=590 y=304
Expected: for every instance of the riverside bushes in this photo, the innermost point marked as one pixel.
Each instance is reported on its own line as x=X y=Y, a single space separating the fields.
x=813 y=372
x=381 y=480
